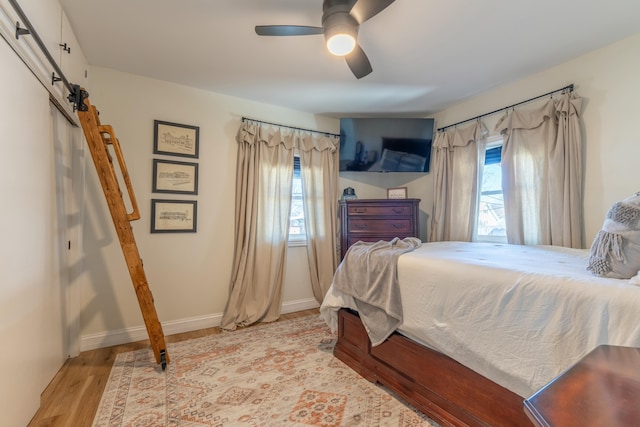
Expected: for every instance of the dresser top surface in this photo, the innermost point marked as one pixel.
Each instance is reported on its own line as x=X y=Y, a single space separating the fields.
x=373 y=201
x=601 y=389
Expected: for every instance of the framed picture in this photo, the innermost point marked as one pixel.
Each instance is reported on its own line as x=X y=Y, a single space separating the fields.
x=397 y=193
x=173 y=216
x=175 y=177
x=175 y=139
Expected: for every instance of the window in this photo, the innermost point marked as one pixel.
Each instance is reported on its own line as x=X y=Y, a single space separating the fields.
x=490 y=224
x=297 y=231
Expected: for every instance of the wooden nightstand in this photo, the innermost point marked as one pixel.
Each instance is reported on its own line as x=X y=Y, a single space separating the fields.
x=370 y=220
x=602 y=389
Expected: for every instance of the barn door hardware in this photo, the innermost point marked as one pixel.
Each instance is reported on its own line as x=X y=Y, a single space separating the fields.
x=99 y=139
x=75 y=92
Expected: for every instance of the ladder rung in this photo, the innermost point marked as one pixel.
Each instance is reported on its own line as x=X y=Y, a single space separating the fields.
x=98 y=138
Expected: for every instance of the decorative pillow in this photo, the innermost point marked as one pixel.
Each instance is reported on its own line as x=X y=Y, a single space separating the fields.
x=615 y=251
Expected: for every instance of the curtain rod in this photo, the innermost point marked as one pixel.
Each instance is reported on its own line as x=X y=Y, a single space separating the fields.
x=245 y=119
x=568 y=88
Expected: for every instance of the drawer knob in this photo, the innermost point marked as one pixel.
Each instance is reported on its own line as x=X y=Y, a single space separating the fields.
x=360 y=210
x=361 y=226
x=398 y=210
x=397 y=226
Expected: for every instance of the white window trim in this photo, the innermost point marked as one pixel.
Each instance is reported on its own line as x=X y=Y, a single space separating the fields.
x=297 y=239
x=491 y=142
x=494 y=141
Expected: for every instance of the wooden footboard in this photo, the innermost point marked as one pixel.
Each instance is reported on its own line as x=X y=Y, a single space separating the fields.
x=437 y=385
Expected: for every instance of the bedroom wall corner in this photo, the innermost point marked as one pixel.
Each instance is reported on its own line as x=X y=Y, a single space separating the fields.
x=188 y=273
x=606 y=79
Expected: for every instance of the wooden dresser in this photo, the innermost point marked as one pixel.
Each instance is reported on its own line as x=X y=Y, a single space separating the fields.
x=602 y=389
x=370 y=220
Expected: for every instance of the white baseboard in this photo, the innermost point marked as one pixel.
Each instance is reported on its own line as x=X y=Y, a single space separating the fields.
x=298 y=305
x=139 y=333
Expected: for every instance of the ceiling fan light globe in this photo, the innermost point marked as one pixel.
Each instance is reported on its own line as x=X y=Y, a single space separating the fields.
x=341 y=44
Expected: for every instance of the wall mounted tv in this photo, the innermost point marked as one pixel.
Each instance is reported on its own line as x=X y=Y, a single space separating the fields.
x=385 y=144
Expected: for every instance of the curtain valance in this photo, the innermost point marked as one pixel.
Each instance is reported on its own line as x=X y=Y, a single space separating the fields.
x=542 y=173
x=541 y=162
x=264 y=176
x=252 y=133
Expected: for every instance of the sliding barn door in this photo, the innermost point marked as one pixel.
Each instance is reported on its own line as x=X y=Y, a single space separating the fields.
x=68 y=183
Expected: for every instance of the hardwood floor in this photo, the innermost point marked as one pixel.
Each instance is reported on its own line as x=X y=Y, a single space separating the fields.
x=73 y=396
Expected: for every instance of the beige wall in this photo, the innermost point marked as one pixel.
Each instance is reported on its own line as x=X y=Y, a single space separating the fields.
x=608 y=81
x=188 y=273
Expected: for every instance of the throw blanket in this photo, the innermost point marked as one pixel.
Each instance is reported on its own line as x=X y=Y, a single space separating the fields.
x=368 y=274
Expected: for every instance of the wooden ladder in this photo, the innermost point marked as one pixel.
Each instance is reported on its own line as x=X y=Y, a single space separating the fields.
x=99 y=137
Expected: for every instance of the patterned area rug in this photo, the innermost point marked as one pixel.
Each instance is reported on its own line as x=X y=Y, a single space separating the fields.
x=282 y=373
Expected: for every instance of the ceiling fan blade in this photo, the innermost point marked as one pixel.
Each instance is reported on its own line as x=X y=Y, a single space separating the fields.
x=366 y=9
x=287 y=30
x=358 y=62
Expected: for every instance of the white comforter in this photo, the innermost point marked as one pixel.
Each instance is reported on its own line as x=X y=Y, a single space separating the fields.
x=518 y=315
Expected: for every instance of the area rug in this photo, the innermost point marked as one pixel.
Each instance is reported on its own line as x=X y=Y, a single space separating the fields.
x=282 y=373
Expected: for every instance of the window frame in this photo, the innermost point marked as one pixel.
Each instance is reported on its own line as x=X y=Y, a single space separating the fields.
x=296 y=239
x=491 y=142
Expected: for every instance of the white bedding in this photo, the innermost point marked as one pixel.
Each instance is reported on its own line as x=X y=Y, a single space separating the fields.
x=518 y=315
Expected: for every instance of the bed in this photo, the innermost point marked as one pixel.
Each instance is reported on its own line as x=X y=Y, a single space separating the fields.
x=484 y=326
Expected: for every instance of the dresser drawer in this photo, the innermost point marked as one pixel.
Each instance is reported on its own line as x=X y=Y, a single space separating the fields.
x=384 y=226
x=374 y=210
x=371 y=220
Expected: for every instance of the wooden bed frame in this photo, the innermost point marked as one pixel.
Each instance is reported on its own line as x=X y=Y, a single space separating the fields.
x=435 y=384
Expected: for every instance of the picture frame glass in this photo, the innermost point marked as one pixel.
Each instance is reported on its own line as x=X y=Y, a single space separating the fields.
x=175 y=177
x=173 y=216
x=176 y=139
x=397 y=193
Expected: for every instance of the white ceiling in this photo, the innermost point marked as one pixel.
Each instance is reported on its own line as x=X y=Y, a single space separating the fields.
x=426 y=54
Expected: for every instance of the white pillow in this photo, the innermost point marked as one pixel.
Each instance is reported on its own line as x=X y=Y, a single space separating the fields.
x=615 y=252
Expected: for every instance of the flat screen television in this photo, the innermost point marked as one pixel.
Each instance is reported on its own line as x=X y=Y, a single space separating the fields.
x=385 y=144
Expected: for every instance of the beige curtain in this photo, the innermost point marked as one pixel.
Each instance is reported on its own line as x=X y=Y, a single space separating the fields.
x=319 y=172
x=263 y=202
x=542 y=173
x=456 y=168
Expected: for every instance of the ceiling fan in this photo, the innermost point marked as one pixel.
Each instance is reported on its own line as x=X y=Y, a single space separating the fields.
x=340 y=22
